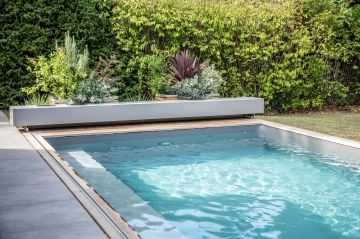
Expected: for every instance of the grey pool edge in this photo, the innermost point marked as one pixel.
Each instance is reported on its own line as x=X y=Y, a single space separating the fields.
x=312 y=134
x=108 y=218
x=34 y=202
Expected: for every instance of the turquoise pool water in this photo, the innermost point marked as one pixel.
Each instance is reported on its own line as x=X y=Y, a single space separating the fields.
x=234 y=182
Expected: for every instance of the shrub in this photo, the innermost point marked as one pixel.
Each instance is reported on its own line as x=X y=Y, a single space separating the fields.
x=74 y=60
x=285 y=51
x=297 y=54
x=200 y=86
x=29 y=29
x=91 y=90
x=59 y=74
x=132 y=98
x=143 y=76
x=38 y=99
x=100 y=84
x=183 y=66
x=106 y=68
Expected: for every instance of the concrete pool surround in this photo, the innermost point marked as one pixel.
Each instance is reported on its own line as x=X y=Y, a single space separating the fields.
x=34 y=202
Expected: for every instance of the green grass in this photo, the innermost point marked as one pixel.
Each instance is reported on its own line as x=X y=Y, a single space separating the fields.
x=340 y=124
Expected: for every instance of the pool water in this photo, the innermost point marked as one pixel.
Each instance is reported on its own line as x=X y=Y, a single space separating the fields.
x=233 y=182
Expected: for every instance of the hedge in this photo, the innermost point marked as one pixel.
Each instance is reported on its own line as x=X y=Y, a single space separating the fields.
x=297 y=54
x=285 y=51
x=29 y=28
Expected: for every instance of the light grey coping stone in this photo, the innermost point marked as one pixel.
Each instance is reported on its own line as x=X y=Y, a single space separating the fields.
x=34 y=203
x=149 y=111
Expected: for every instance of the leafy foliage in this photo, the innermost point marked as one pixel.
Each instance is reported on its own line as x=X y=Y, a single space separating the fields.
x=76 y=61
x=106 y=68
x=184 y=65
x=132 y=98
x=91 y=90
x=99 y=85
x=296 y=54
x=59 y=74
x=143 y=75
x=200 y=86
x=29 y=29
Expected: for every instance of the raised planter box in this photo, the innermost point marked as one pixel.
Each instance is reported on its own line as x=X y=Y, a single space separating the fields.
x=150 y=111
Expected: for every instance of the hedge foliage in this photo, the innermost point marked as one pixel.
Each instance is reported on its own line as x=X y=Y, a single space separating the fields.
x=29 y=28
x=296 y=54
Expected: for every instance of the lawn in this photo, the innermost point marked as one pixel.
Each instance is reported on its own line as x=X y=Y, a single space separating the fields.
x=340 y=124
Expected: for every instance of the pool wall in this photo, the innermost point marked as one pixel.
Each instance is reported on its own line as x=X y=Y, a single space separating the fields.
x=311 y=144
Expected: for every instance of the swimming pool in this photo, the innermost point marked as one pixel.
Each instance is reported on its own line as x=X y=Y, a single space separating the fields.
x=249 y=181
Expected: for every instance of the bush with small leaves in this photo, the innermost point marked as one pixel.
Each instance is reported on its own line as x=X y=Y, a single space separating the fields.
x=295 y=54
x=59 y=74
x=143 y=75
x=91 y=91
x=200 y=86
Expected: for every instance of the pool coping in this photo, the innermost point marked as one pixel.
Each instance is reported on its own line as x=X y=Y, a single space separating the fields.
x=107 y=218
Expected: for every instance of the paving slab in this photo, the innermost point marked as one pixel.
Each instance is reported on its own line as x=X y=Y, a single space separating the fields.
x=34 y=203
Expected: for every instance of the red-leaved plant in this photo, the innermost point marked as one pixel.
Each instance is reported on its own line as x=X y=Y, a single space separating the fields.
x=183 y=66
x=105 y=67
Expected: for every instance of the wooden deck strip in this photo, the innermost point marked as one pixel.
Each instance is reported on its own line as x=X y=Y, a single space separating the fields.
x=143 y=127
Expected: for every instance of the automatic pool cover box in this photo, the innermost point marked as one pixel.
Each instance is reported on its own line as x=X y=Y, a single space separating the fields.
x=151 y=111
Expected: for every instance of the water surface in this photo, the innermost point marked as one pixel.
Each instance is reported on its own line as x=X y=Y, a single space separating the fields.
x=236 y=182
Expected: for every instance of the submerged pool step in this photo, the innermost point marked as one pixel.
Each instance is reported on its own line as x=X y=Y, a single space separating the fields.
x=138 y=213
x=85 y=160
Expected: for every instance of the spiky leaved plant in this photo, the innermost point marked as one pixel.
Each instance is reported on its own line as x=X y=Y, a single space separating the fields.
x=38 y=99
x=73 y=57
x=184 y=66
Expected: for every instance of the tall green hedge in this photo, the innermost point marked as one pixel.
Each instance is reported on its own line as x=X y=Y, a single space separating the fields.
x=29 y=28
x=289 y=52
x=297 y=54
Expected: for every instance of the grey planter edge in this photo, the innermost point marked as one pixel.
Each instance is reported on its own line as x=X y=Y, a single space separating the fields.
x=149 y=111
